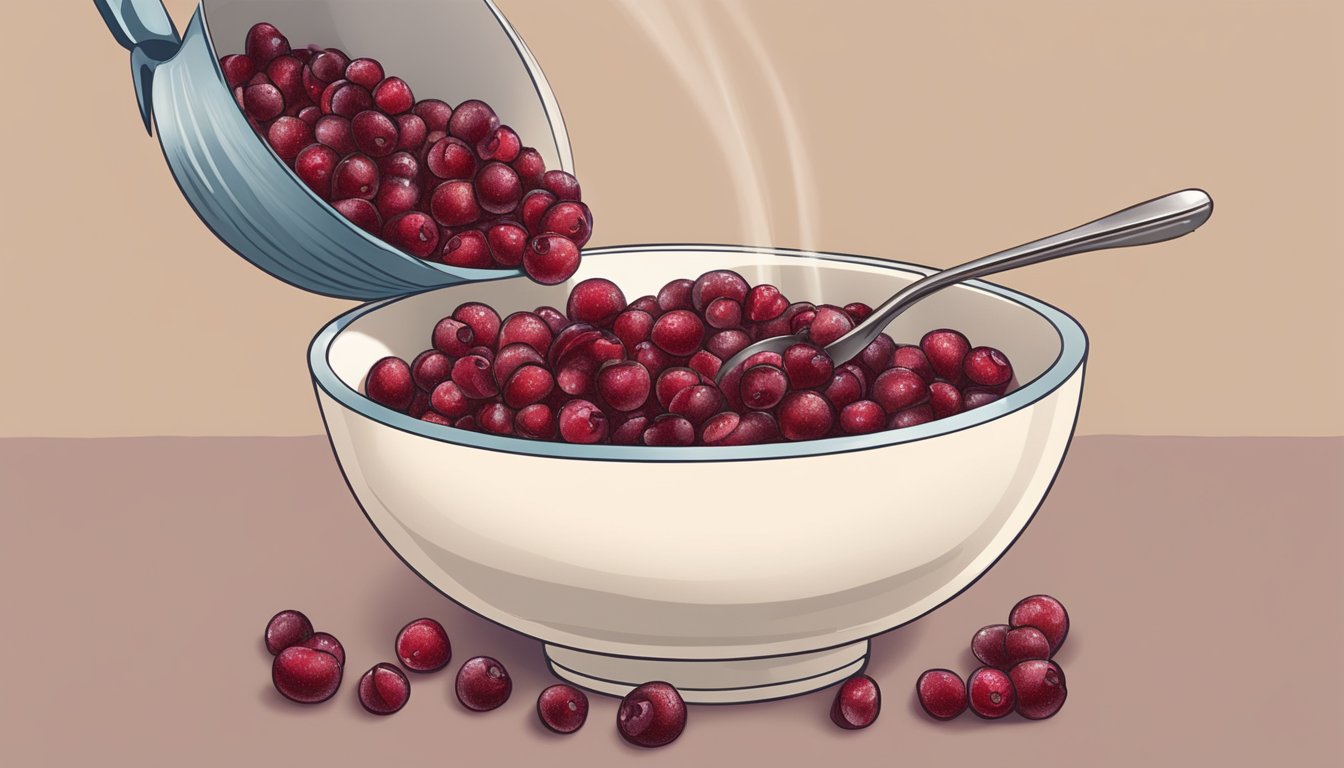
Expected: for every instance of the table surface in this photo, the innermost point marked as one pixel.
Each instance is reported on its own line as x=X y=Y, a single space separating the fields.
x=1202 y=577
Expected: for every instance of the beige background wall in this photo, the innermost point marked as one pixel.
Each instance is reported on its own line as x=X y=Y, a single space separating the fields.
x=934 y=132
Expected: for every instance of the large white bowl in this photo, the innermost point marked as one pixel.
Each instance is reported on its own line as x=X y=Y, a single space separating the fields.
x=737 y=574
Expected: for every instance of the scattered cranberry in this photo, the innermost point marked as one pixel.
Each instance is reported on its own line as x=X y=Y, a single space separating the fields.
x=991 y=693
x=718 y=284
x=911 y=417
x=285 y=629
x=1040 y=688
x=322 y=641
x=857 y=703
x=562 y=708
x=651 y=715
x=596 y=301
x=535 y=422
x=1025 y=643
x=306 y=675
x=423 y=646
x=764 y=302
x=1044 y=613
x=472 y=121
x=384 y=689
x=941 y=693
x=989 y=645
x=483 y=684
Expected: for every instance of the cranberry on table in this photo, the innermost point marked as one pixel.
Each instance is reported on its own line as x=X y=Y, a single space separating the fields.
x=989 y=645
x=562 y=708
x=423 y=646
x=1044 y=613
x=651 y=715
x=991 y=693
x=941 y=693
x=323 y=641
x=306 y=675
x=483 y=684
x=1025 y=643
x=384 y=689
x=857 y=703
x=1040 y=688
x=285 y=629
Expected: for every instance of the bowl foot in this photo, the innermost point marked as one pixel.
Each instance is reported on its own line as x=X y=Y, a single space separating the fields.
x=711 y=681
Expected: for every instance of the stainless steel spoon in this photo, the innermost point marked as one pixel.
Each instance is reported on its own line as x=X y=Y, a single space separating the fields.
x=1163 y=218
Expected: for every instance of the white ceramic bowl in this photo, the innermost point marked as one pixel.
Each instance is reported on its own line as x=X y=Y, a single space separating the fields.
x=737 y=574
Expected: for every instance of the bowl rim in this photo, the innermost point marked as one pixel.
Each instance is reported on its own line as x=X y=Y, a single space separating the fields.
x=1072 y=354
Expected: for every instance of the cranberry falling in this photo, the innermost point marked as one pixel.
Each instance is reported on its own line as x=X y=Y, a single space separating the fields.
x=446 y=185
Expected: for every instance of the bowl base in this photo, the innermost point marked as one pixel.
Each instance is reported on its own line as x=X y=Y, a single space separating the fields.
x=711 y=681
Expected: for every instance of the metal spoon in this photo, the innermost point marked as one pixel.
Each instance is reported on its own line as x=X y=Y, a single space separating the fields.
x=1163 y=218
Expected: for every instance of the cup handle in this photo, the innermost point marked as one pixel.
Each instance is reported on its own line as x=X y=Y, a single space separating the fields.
x=144 y=28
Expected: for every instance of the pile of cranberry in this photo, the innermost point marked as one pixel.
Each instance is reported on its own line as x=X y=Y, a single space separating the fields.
x=643 y=372
x=442 y=184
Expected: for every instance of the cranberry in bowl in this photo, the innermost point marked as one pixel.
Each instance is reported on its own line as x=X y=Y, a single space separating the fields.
x=676 y=562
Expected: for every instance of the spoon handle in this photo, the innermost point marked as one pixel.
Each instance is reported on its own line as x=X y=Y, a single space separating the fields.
x=1163 y=218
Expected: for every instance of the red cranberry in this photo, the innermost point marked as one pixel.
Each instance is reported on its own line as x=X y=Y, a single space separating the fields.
x=533 y=207
x=348 y=99
x=305 y=675
x=624 y=384
x=393 y=96
x=573 y=220
x=802 y=321
x=561 y=184
x=412 y=232
x=451 y=159
x=762 y=387
x=508 y=242
x=858 y=310
x=669 y=430
x=1025 y=643
x=496 y=418
x=435 y=113
x=411 y=132
x=286 y=73
x=397 y=195
x=911 y=417
x=723 y=313
x=807 y=366
x=755 y=428
x=1044 y=613
x=472 y=121
x=323 y=641
x=944 y=399
x=526 y=328
x=857 y=703
x=375 y=133
x=946 y=350
x=553 y=317
x=502 y=145
x=632 y=326
x=430 y=369
x=420 y=405
x=805 y=415
x=512 y=357
x=483 y=684
x=551 y=259
x=696 y=404
x=237 y=69
x=651 y=715
x=468 y=249
x=467 y=422
x=974 y=397
x=355 y=176
x=898 y=388
x=989 y=645
x=423 y=646
x=329 y=65
x=829 y=324
x=672 y=381
x=844 y=388
x=483 y=351
x=536 y=422
x=366 y=73
x=384 y=689
x=310 y=115
x=877 y=356
x=313 y=86
x=472 y=373
x=1040 y=688
x=675 y=295
x=582 y=422
x=498 y=188
x=991 y=693
x=530 y=167
x=454 y=204
x=705 y=363
x=389 y=383
x=596 y=301
x=718 y=284
x=574 y=336
x=647 y=354
x=315 y=165
x=725 y=344
x=562 y=708
x=529 y=384
x=482 y=319
x=335 y=132
x=719 y=427
x=862 y=417
x=452 y=338
x=764 y=302
x=678 y=332
x=264 y=43
x=941 y=693
x=989 y=368
x=361 y=213
x=263 y=102
x=287 y=628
